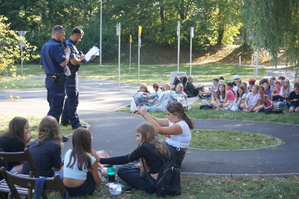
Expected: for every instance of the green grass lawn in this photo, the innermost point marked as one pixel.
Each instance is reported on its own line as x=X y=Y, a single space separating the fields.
x=148 y=74
x=192 y=186
x=216 y=187
x=230 y=140
x=196 y=113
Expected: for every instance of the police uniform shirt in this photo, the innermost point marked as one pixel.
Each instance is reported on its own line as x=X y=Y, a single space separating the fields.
x=52 y=55
x=74 y=51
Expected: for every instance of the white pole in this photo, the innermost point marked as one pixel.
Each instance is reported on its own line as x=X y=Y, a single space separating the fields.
x=139 y=46
x=130 y=59
x=256 y=56
x=22 y=58
x=179 y=38
x=101 y=31
x=191 y=36
x=22 y=44
x=118 y=33
x=240 y=60
x=257 y=61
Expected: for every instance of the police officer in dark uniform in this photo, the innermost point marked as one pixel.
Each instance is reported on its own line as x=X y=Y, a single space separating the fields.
x=54 y=60
x=69 y=115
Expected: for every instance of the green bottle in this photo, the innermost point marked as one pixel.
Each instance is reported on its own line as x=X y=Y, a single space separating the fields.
x=111 y=173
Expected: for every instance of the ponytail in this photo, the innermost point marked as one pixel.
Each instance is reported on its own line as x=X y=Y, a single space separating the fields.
x=188 y=121
x=176 y=107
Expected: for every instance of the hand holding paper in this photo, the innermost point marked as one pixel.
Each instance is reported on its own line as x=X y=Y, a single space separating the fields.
x=93 y=51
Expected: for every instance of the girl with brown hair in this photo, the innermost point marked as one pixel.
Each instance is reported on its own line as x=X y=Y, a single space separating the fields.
x=46 y=149
x=15 y=139
x=176 y=128
x=81 y=165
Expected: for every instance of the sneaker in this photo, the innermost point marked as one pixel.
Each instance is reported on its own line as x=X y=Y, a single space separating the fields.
x=200 y=96
x=65 y=139
x=65 y=123
x=79 y=126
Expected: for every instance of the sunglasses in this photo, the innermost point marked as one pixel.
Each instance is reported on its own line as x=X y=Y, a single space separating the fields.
x=58 y=28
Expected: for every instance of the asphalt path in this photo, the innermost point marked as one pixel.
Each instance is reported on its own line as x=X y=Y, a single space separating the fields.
x=115 y=132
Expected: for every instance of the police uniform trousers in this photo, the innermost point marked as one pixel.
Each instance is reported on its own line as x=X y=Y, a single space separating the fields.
x=55 y=97
x=69 y=114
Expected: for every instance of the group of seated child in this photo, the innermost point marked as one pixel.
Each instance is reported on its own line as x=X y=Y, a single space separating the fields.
x=159 y=99
x=237 y=95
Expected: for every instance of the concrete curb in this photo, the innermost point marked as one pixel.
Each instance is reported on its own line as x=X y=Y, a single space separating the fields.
x=239 y=175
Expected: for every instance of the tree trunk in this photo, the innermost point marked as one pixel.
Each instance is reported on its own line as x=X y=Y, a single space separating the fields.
x=162 y=17
x=220 y=35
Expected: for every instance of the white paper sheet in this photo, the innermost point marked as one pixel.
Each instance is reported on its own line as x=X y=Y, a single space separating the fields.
x=93 y=51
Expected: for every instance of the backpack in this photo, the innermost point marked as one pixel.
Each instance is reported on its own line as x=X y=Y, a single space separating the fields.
x=205 y=107
x=169 y=176
x=273 y=110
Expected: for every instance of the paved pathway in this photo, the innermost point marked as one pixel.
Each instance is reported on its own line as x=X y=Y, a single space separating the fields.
x=114 y=132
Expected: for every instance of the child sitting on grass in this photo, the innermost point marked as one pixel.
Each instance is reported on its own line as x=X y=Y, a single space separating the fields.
x=265 y=99
x=241 y=95
x=212 y=90
x=251 y=83
x=276 y=90
x=220 y=98
x=156 y=87
x=294 y=99
x=166 y=87
x=252 y=101
x=244 y=84
x=143 y=88
x=230 y=92
x=179 y=89
x=267 y=89
x=286 y=89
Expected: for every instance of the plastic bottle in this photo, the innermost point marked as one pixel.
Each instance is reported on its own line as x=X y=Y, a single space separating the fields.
x=111 y=173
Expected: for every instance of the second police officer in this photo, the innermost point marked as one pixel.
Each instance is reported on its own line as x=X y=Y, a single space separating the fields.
x=69 y=115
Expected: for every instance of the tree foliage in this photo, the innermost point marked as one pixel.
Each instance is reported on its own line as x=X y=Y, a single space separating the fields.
x=215 y=21
x=274 y=25
x=10 y=52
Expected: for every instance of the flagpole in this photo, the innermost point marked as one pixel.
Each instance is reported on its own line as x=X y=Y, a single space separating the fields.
x=130 y=59
x=118 y=34
x=179 y=38
x=139 y=46
x=191 y=36
x=101 y=30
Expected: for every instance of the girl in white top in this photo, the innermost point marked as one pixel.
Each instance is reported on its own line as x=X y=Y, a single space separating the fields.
x=81 y=165
x=241 y=95
x=180 y=90
x=252 y=101
x=286 y=89
x=176 y=128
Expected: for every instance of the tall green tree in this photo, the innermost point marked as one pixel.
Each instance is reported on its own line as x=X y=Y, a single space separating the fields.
x=274 y=25
x=10 y=49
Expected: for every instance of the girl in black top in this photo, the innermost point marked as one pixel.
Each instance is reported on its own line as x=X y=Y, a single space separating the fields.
x=15 y=139
x=134 y=175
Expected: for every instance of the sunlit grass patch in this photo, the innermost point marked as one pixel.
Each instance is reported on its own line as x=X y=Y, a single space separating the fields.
x=230 y=140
